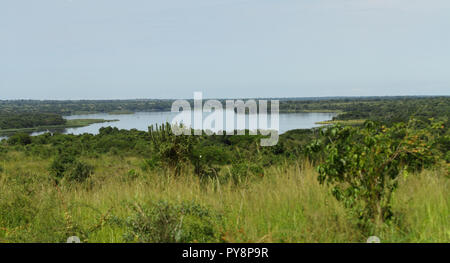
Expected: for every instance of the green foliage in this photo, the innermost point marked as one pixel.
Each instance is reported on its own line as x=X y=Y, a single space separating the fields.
x=79 y=172
x=388 y=110
x=241 y=170
x=3 y=149
x=173 y=151
x=132 y=174
x=207 y=160
x=361 y=165
x=61 y=164
x=391 y=109
x=83 y=106
x=364 y=164
x=16 y=211
x=67 y=166
x=29 y=120
x=19 y=139
x=150 y=164
x=165 y=222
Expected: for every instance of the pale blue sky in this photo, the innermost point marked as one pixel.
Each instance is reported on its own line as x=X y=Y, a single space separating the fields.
x=113 y=49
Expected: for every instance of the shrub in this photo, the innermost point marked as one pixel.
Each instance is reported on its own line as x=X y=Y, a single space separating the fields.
x=79 y=172
x=172 y=150
x=67 y=166
x=3 y=150
x=363 y=164
x=208 y=159
x=151 y=164
x=164 y=222
x=19 y=139
x=241 y=170
x=61 y=164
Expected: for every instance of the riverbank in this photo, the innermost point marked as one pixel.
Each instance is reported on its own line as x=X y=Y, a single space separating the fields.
x=75 y=123
x=342 y=122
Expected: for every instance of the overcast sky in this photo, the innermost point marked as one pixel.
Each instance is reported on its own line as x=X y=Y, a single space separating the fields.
x=118 y=49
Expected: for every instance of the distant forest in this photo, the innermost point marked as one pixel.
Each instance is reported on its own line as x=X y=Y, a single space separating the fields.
x=34 y=113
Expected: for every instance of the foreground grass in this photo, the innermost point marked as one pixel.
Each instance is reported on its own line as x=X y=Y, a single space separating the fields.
x=285 y=205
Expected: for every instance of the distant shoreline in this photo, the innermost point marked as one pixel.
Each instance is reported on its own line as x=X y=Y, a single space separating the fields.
x=314 y=98
x=75 y=123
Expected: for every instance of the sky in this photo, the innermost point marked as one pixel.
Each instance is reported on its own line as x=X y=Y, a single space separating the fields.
x=126 y=49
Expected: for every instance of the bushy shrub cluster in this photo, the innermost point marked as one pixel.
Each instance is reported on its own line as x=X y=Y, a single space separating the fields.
x=69 y=167
x=363 y=165
x=165 y=222
x=19 y=139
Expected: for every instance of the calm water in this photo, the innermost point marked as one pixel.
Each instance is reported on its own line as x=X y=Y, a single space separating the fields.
x=141 y=121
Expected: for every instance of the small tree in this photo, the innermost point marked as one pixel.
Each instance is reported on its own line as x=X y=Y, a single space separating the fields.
x=363 y=164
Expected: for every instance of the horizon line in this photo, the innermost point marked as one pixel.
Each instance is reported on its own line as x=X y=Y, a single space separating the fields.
x=237 y=98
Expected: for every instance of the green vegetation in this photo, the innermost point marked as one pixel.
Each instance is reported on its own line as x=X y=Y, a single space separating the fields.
x=29 y=120
x=29 y=115
x=83 y=106
x=386 y=109
x=84 y=122
x=165 y=222
x=333 y=184
x=287 y=204
x=342 y=122
x=120 y=112
x=363 y=165
x=75 y=123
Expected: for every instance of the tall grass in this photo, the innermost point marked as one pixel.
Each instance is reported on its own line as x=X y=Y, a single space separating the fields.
x=287 y=204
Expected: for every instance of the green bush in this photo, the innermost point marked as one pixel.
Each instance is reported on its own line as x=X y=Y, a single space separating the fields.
x=151 y=164
x=67 y=166
x=207 y=160
x=173 y=151
x=164 y=222
x=79 y=172
x=242 y=169
x=61 y=164
x=363 y=165
x=20 y=139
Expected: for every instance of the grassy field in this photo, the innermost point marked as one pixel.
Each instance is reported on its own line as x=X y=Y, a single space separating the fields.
x=285 y=205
